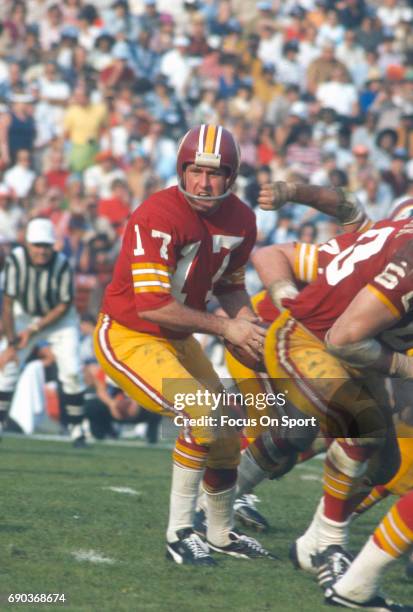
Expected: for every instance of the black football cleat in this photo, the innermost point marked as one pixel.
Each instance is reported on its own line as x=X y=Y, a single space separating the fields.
x=189 y=549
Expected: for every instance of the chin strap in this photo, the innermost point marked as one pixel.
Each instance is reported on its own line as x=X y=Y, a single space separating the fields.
x=205 y=198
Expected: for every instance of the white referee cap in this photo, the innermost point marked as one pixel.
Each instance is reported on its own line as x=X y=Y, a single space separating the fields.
x=40 y=231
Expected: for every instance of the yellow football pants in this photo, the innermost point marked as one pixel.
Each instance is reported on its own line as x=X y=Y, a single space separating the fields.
x=156 y=371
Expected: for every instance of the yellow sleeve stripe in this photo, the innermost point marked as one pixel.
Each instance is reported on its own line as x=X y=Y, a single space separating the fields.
x=152 y=266
x=151 y=277
x=146 y=289
x=306 y=262
x=385 y=300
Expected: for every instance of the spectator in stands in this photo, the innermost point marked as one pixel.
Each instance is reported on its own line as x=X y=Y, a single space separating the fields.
x=116 y=207
x=20 y=177
x=376 y=197
x=396 y=176
x=98 y=178
x=321 y=69
x=11 y=216
x=17 y=128
x=83 y=123
x=303 y=153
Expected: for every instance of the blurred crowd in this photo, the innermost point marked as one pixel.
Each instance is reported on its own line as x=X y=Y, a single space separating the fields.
x=94 y=97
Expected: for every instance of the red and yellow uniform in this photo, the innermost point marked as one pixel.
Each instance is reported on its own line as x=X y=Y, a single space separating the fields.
x=310 y=260
x=395 y=532
x=170 y=252
x=294 y=348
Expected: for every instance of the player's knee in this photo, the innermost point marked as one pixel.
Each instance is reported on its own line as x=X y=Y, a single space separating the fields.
x=273 y=454
x=383 y=465
x=216 y=480
x=350 y=460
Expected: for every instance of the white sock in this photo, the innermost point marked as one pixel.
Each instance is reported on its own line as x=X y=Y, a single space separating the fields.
x=330 y=532
x=201 y=503
x=361 y=581
x=184 y=493
x=310 y=536
x=220 y=516
x=250 y=474
x=307 y=544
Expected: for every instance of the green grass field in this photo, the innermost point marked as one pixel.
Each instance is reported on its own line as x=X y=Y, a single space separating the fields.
x=56 y=501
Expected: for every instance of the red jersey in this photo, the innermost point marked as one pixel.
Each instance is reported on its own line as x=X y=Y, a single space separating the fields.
x=380 y=259
x=169 y=251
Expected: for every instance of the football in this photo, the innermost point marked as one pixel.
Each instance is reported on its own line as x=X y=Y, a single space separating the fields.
x=245 y=358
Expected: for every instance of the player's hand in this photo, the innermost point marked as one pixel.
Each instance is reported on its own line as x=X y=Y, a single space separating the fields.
x=273 y=196
x=9 y=354
x=246 y=334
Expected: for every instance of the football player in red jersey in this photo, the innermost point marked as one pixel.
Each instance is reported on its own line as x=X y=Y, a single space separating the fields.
x=181 y=245
x=317 y=342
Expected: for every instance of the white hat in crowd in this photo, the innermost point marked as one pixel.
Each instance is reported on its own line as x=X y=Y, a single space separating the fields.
x=40 y=231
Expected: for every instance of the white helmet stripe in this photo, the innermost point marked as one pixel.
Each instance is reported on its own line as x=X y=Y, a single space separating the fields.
x=218 y=140
x=201 y=138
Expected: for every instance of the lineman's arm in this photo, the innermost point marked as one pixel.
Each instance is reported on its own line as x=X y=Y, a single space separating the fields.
x=334 y=202
x=352 y=337
x=275 y=267
x=179 y=317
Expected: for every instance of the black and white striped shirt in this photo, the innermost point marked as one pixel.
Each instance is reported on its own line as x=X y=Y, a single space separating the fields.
x=37 y=289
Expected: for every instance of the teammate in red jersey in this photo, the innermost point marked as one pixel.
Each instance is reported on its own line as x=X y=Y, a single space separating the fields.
x=180 y=246
x=365 y=290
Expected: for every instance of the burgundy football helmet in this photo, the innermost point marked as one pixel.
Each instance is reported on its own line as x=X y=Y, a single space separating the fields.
x=212 y=146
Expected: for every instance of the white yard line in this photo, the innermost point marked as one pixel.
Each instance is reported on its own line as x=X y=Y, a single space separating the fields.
x=123 y=490
x=311 y=477
x=91 y=556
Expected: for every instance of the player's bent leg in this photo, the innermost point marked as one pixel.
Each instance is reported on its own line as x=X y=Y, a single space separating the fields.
x=220 y=490
x=359 y=586
x=133 y=361
x=320 y=386
x=250 y=384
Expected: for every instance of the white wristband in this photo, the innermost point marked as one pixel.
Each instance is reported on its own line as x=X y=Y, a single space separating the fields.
x=280 y=289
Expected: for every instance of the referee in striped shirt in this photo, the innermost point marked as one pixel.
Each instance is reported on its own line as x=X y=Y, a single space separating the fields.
x=38 y=306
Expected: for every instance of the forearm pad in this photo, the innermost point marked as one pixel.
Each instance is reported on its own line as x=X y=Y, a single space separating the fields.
x=363 y=354
x=401 y=366
x=280 y=289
